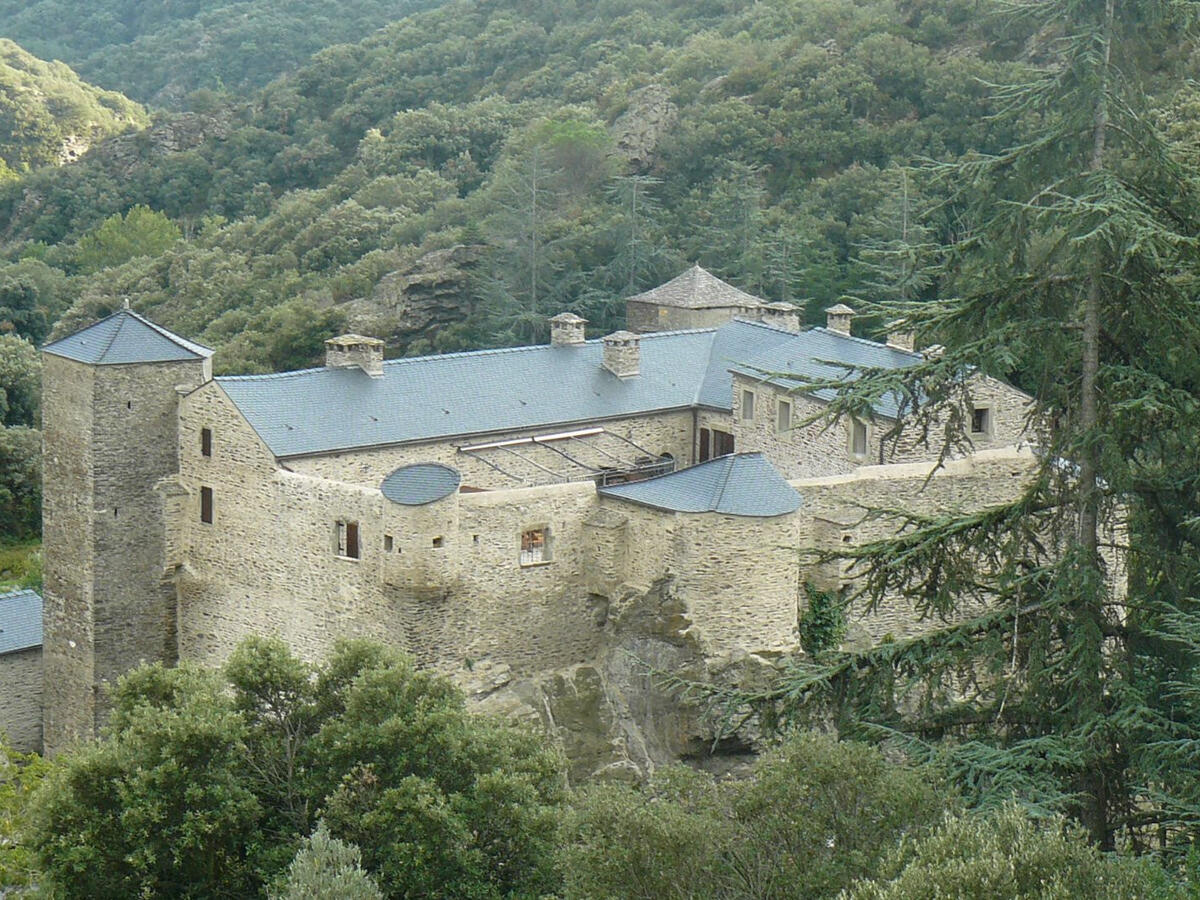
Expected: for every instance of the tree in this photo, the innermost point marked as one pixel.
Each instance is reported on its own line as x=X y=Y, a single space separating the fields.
x=20 y=775
x=327 y=869
x=1073 y=273
x=20 y=482
x=118 y=239
x=1006 y=855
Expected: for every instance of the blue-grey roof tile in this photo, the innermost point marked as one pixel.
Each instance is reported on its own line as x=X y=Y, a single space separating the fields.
x=420 y=484
x=741 y=484
x=820 y=355
x=125 y=337
x=20 y=621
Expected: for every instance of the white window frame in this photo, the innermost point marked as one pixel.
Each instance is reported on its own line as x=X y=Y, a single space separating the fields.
x=780 y=406
x=988 y=420
x=748 y=403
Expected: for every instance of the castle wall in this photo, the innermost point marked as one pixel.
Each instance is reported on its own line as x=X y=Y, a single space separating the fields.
x=837 y=508
x=660 y=433
x=21 y=699
x=111 y=435
x=816 y=449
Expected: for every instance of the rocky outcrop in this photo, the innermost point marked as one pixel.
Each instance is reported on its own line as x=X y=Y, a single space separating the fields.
x=435 y=291
x=638 y=131
x=617 y=717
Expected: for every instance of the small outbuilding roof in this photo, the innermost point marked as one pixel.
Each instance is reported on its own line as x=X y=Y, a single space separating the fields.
x=20 y=621
x=123 y=338
x=697 y=288
x=419 y=484
x=741 y=484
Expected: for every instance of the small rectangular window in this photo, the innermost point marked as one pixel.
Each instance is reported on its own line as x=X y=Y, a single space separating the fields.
x=206 y=442
x=747 y=405
x=206 y=505
x=534 y=547
x=981 y=420
x=858 y=438
x=388 y=543
x=439 y=541
x=783 y=417
x=347 y=537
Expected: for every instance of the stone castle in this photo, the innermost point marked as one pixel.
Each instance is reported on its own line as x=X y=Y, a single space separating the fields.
x=533 y=521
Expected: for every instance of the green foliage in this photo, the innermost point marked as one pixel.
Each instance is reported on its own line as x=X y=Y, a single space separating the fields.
x=207 y=786
x=118 y=239
x=327 y=869
x=814 y=815
x=823 y=624
x=45 y=107
x=20 y=776
x=1007 y=856
x=20 y=483
x=20 y=566
x=20 y=382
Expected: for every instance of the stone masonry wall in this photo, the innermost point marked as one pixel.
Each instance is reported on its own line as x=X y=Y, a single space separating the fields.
x=837 y=508
x=816 y=449
x=658 y=434
x=110 y=437
x=21 y=699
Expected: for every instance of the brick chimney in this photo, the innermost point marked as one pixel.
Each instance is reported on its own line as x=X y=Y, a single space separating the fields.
x=900 y=337
x=837 y=318
x=350 y=350
x=622 y=352
x=781 y=315
x=566 y=329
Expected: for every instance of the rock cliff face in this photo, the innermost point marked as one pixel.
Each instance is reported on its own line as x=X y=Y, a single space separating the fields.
x=638 y=131
x=433 y=292
x=614 y=717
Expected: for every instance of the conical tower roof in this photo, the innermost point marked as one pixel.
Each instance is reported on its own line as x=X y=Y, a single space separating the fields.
x=697 y=288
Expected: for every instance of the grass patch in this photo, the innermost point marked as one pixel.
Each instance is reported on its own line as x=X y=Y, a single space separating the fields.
x=21 y=566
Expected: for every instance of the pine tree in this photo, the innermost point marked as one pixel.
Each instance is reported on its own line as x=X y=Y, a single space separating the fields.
x=1074 y=273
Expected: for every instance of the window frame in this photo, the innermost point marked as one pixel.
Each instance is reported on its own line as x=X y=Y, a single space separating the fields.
x=206 y=442
x=988 y=418
x=780 y=406
x=748 y=405
x=858 y=426
x=349 y=537
x=534 y=547
x=207 y=505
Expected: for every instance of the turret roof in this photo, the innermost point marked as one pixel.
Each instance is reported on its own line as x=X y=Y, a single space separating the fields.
x=125 y=337
x=697 y=288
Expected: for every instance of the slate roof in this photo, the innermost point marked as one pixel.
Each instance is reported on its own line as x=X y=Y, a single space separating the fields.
x=125 y=337
x=420 y=484
x=20 y=621
x=816 y=354
x=486 y=391
x=697 y=288
x=741 y=484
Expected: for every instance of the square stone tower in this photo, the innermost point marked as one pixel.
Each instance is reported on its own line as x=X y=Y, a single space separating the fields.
x=110 y=433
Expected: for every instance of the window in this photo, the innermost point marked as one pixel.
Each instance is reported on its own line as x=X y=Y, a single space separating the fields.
x=747 y=405
x=206 y=442
x=981 y=420
x=535 y=546
x=783 y=417
x=348 y=546
x=206 y=505
x=714 y=443
x=439 y=541
x=388 y=543
x=858 y=438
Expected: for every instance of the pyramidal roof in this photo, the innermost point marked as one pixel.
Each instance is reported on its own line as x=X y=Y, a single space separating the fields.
x=697 y=288
x=125 y=337
x=741 y=484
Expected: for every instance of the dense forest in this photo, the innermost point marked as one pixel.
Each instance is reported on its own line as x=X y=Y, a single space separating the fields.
x=1018 y=183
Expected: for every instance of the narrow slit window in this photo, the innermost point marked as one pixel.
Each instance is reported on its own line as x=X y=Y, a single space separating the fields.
x=858 y=438
x=206 y=442
x=347 y=536
x=388 y=543
x=535 y=547
x=206 y=505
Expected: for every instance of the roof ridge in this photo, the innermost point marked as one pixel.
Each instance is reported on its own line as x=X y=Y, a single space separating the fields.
x=723 y=480
x=870 y=343
x=113 y=338
x=178 y=339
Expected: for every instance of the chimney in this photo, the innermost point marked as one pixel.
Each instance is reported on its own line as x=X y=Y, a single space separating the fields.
x=934 y=351
x=900 y=337
x=566 y=329
x=621 y=353
x=781 y=315
x=351 y=350
x=837 y=318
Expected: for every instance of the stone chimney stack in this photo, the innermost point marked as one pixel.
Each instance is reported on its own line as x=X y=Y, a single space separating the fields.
x=351 y=350
x=837 y=318
x=900 y=337
x=622 y=352
x=781 y=315
x=566 y=329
